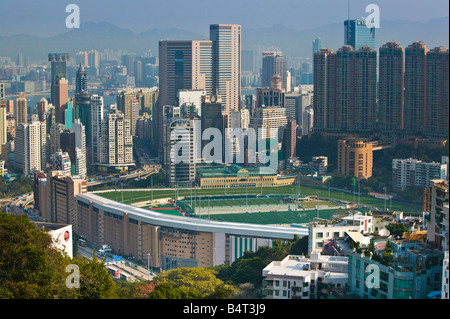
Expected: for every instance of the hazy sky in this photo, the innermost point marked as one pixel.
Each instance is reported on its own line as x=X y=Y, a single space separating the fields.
x=47 y=17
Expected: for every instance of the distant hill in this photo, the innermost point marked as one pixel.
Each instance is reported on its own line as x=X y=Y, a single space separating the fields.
x=292 y=42
x=90 y=36
x=299 y=43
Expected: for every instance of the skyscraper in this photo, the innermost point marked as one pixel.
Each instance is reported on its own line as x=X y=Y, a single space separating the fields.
x=390 y=87
x=437 y=97
x=21 y=109
x=345 y=90
x=61 y=97
x=58 y=70
x=317 y=45
x=98 y=140
x=28 y=150
x=184 y=65
x=274 y=63
x=226 y=64
x=415 y=117
x=81 y=80
x=358 y=34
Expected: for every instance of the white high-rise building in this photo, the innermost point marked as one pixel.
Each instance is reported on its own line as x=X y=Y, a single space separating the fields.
x=80 y=148
x=413 y=172
x=28 y=147
x=120 y=143
x=99 y=140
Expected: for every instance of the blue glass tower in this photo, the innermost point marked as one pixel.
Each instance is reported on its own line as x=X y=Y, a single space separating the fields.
x=358 y=34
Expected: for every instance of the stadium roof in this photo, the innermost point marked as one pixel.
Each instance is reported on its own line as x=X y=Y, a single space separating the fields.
x=191 y=223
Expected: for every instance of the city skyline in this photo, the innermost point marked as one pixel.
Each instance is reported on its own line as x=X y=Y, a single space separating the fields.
x=194 y=14
x=146 y=132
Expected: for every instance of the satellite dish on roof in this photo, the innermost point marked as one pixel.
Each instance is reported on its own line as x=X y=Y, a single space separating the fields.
x=365 y=241
x=384 y=232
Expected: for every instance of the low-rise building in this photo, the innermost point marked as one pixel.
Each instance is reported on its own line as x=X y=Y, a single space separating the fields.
x=322 y=231
x=298 y=277
x=409 y=270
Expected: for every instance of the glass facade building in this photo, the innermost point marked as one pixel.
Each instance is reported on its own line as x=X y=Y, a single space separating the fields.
x=358 y=34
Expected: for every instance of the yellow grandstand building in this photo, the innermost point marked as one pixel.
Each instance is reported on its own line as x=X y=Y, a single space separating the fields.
x=235 y=176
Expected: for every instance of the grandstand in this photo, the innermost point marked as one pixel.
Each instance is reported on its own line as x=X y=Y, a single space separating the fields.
x=238 y=204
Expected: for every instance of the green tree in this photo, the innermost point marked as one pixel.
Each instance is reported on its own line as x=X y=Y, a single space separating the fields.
x=397 y=229
x=299 y=246
x=191 y=283
x=31 y=267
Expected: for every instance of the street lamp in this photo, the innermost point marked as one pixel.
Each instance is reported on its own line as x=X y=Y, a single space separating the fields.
x=148 y=265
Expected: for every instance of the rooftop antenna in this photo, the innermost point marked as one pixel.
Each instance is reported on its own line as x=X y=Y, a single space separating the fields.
x=348 y=9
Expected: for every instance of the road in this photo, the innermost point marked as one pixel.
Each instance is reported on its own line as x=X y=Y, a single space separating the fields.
x=137 y=272
x=141 y=173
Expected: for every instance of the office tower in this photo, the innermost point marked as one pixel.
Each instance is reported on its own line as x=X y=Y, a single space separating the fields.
x=58 y=70
x=212 y=116
x=180 y=172
x=61 y=97
x=290 y=137
x=226 y=64
x=21 y=109
x=81 y=80
x=2 y=91
x=390 y=87
x=358 y=34
x=355 y=158
x=28 y=147
x=437 y=99
x=345 y=90
x=248 y=61
x=274 y=63
x=415 y=117
x=184 y=65
x=272 y=96
x=98 y=140
x=317 y=45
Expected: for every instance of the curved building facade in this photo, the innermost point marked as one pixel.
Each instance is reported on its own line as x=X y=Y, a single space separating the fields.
x=167 y=241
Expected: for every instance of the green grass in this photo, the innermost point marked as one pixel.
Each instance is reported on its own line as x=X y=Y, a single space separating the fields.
x=274 y=217
x=139 y=196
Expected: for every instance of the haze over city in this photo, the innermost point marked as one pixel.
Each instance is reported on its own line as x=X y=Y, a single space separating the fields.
x=205 y=149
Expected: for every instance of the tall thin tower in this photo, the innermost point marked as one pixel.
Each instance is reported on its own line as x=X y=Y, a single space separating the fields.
x=226 y=64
